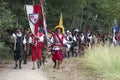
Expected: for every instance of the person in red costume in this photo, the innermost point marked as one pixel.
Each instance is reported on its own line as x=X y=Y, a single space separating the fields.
x=40 y=46
x=36 y=43
x=58 y=41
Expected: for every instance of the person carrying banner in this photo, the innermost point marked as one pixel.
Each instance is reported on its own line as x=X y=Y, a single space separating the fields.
x=40 y=46
x=36 y=42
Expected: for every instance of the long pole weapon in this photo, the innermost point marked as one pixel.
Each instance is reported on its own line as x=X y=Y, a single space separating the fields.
x=44 y=21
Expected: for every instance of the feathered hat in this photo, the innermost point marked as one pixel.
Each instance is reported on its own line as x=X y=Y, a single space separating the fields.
x=60 y=25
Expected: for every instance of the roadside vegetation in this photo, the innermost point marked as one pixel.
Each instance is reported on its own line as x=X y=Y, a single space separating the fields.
x=104 y=60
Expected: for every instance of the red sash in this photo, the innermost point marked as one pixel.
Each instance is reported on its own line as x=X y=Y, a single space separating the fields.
x=60 y=40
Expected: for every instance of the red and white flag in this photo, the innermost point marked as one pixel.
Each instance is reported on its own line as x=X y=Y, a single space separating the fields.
x=33 y=13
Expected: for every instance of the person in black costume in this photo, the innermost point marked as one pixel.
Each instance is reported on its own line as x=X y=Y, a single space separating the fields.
x=19 y=47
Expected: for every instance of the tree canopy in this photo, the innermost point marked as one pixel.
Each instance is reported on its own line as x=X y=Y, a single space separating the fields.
x=97 y=14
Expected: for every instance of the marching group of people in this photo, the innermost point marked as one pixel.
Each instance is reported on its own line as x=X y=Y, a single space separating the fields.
x=59 y=43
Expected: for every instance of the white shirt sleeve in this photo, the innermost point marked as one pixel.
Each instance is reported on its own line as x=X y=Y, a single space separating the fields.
x=14 y=35
x=41 y=39
x=30 y=40
x=114 y=40
x=24 y=41
x=64 y=41
x=52 y=40
x=74 y=38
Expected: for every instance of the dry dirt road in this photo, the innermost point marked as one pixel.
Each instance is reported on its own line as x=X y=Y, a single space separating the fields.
x=71 y=69
x=26 y=73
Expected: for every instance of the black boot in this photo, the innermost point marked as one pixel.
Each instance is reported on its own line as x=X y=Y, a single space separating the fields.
x=20 y=61
x=43 y=61
x=68 y=55
x=40 y=62
x=25 y=59
x=54 y=64
x=76 y=54
x=16 y=66
x=38 y=65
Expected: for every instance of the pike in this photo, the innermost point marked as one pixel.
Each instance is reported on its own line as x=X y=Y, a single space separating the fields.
x=43 y=18
x=44 y=21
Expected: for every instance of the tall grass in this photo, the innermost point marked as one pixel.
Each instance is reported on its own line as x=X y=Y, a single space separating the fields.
x=104 y=60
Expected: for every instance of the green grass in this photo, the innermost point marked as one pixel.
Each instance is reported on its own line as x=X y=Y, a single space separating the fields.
x=104 y=60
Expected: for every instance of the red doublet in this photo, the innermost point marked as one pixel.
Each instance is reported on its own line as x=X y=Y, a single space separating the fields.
x=40 y=46
x=36 y=52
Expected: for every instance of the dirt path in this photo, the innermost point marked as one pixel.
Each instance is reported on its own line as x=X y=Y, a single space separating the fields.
x=26 y=73
x=71 y=69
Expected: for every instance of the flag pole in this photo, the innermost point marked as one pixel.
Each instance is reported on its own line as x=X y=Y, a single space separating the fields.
x=33 y=2
x=43 y=15
x=44 y=21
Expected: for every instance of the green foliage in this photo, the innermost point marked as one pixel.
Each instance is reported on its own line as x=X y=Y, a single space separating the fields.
x=82 y=13
x=5 y=52
x=104 y=60
x=76 y=13
x=7 y=22
x=69 y=9
x=7 y=19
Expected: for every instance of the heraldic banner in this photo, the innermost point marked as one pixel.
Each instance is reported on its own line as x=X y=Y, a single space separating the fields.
x=33 y=13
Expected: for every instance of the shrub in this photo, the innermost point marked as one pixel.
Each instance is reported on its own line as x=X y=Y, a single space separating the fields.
x=5 y=52
x=104 y=60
